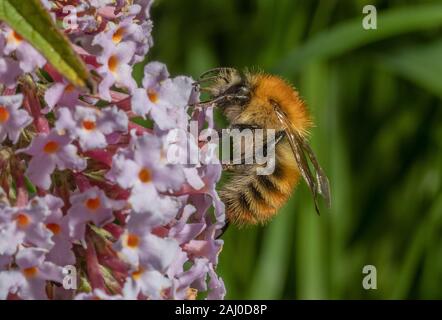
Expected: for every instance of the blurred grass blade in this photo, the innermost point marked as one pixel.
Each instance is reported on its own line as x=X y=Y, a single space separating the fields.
x=422 y=238
x=421 y=65
x=30 y=19
x=310 y=247
x=350 y=35
x=272 y=264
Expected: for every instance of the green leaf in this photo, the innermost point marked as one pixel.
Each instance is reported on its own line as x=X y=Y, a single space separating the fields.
x=30 y=186
x=30 y=19
x=420 y=64
x=351 y=35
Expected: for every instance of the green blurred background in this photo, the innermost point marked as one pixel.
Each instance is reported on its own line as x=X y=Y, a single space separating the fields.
x=376 y=98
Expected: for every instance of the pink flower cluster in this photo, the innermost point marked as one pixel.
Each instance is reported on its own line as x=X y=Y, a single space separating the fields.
x=84 y=178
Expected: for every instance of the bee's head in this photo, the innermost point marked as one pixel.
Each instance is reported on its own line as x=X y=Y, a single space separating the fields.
x=225 y=82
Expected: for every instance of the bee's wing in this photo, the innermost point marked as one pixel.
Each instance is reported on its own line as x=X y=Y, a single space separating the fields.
x=301 y=148
x=321 y=179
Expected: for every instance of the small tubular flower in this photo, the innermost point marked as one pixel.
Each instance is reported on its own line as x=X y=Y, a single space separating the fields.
x=50 y=151
x=12 y=119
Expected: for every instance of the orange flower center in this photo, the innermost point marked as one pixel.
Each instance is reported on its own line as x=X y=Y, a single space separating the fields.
x=23 y=220
x=55 y=228
x=89 y=125
x=133 y=241
x=69 y=88
x=153 y=96
x=30 y=272
x=118 y=35
x=15 y=37
x=113 y=64
x=51 y=147
x=93 y=204
x=136 y=275
x=145 y=175
x=4 y=114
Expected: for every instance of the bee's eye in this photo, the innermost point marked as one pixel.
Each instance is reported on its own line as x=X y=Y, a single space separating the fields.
x=238 y=89
x=243 y=90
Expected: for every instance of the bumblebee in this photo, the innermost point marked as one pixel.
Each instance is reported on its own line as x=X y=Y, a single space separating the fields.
x=255 y=100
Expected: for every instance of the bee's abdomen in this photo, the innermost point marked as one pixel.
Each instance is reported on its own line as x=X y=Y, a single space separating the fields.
x=255 y=198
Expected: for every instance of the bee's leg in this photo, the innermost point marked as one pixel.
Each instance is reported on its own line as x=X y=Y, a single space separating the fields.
x=228 y=167
x=235 y=167
x=279 y=134
x=231 y=167
x=220 y=100
x=243 y=126
x=244 y=166
x=224 y=229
